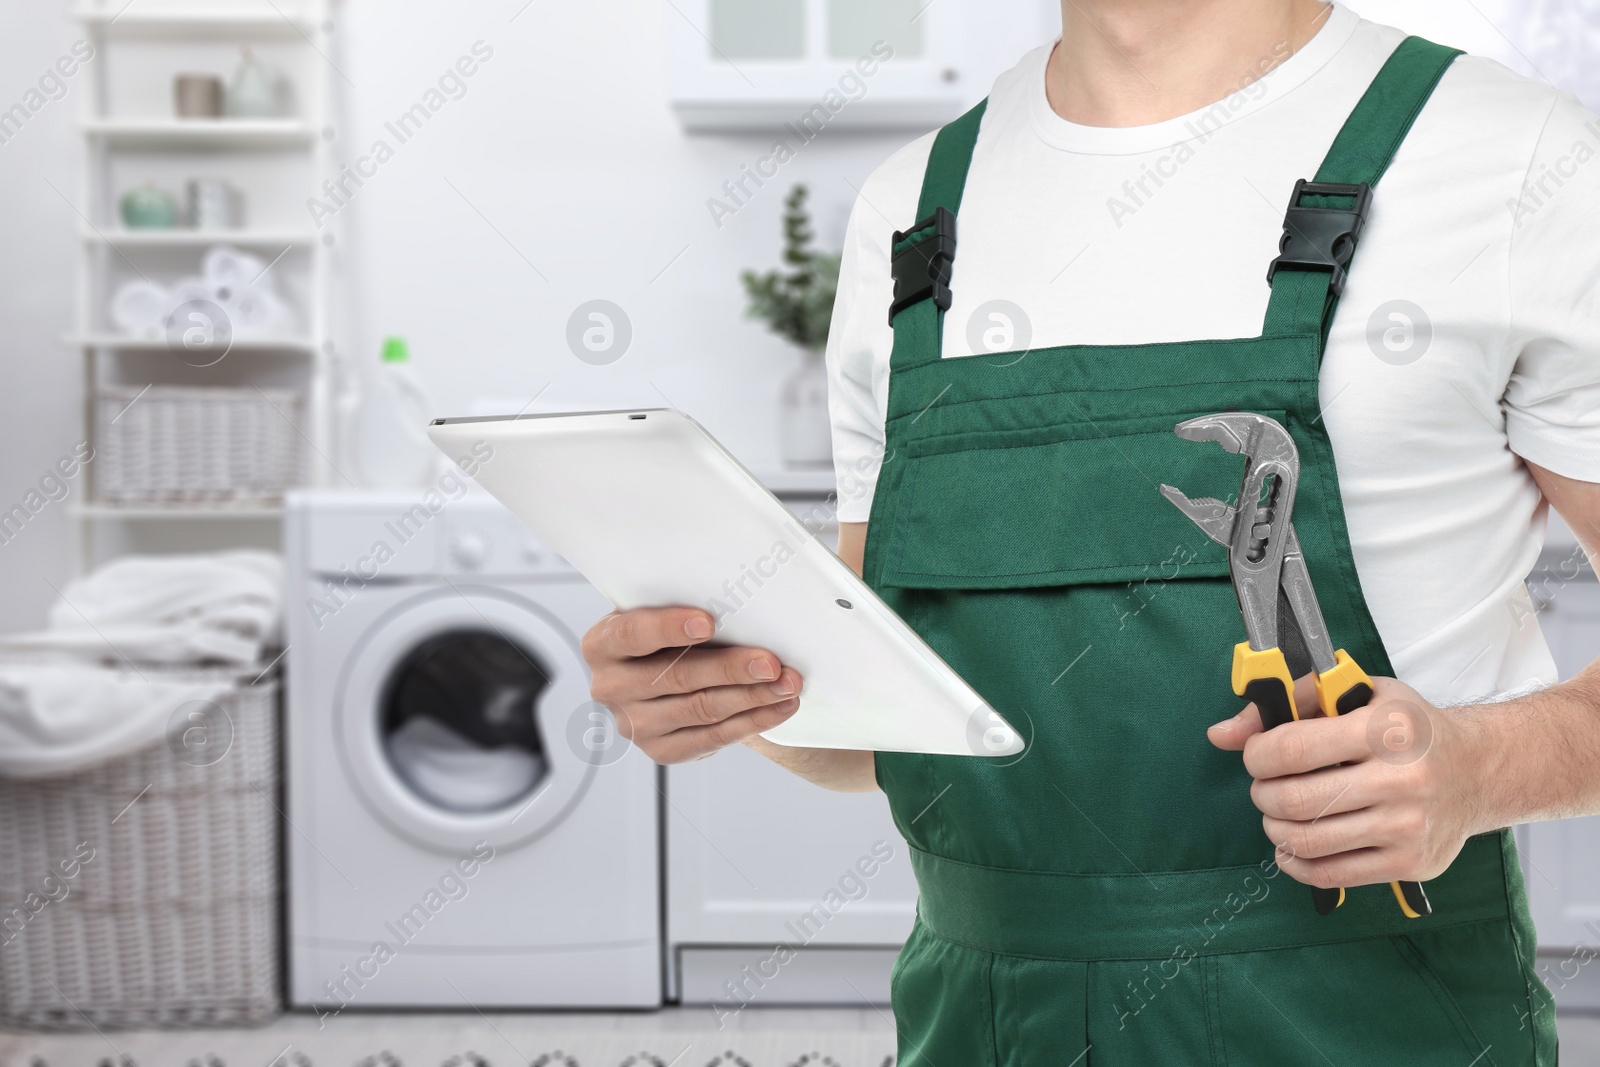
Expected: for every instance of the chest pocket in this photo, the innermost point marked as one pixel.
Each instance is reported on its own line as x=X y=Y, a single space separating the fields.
x=1069 y=504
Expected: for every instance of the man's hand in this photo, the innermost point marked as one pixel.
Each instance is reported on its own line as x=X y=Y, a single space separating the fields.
x=678 y=702
x=1418 y=781
x=1379 y=795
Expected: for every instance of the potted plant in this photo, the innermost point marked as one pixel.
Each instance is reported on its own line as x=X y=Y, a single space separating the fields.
x=796 y=303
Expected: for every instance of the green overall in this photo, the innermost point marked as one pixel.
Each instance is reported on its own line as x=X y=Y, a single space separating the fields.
x=1107 y=898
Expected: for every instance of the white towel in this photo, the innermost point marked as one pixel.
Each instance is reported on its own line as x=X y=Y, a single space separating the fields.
x=221 y=606
x=57 y=718
x=84 y=690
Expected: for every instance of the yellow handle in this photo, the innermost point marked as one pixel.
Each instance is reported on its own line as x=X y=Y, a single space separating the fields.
x=1261 y=676
x=1342 y=690
x=1399 y=889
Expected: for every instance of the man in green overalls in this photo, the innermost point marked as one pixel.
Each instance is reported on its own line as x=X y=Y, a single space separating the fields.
x=1108 y=898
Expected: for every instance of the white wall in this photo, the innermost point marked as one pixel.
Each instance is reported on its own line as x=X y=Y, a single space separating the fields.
x=40 y=405
x=566 y=145
x=566 y=156
x=1556 y=40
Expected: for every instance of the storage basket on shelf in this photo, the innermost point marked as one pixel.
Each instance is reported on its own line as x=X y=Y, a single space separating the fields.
x=172 y=445
x=160 y=882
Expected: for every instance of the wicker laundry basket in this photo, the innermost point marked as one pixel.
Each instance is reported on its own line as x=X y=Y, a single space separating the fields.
x=170 y=444
x=162 y=882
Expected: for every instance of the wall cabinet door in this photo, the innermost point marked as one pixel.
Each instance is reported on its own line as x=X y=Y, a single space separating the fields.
x=798 y=66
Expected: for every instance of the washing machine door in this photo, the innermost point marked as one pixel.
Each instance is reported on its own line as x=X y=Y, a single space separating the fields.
x=457 y=716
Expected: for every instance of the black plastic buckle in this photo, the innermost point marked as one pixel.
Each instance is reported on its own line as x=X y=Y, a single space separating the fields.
x=922 y=268
x=1322 y=238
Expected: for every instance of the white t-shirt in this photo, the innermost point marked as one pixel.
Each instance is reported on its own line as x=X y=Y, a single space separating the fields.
x=1468 y=334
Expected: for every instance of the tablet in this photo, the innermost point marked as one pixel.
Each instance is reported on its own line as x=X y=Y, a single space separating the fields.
x=653 y=511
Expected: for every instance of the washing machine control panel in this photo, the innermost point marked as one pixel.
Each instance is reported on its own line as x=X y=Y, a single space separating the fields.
x=469 y=551
x=490 y=540
x=410 y=536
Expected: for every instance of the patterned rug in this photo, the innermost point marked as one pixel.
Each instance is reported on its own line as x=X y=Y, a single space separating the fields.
x=655 y=1040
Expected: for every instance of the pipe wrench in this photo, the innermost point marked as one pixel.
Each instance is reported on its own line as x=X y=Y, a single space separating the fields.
x=1269 y=573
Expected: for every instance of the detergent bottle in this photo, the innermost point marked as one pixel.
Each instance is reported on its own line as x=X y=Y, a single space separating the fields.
x=392 y=450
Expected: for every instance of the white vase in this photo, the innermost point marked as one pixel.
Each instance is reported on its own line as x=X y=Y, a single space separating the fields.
x=255 y=91
x=806 y=436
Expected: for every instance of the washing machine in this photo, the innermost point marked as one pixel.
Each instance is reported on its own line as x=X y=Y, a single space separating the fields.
x=465 y=828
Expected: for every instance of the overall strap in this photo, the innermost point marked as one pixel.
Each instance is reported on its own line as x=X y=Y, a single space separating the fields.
x=921 y=257
x=1326 y=215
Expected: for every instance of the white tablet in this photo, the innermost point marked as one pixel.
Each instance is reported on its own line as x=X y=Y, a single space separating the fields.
x=652 y=510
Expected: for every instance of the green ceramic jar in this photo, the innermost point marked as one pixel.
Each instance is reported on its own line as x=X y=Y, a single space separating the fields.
x=147 y=207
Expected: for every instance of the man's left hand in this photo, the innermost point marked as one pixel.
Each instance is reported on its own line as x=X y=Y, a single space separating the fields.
x=1378 y=795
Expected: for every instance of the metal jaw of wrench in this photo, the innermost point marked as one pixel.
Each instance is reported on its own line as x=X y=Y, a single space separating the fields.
x=1264 y=559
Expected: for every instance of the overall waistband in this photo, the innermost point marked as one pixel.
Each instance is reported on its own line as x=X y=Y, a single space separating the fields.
x=1048 y=915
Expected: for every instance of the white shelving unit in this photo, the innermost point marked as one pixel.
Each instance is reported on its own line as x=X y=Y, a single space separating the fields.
x=198 y=20
x=274 y=239
x=120 y=513
x=206 y=133
x=131 y=135
x=116 y=341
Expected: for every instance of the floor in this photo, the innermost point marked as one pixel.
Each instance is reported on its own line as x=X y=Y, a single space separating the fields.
x=675 y=1037
x=679 y=1037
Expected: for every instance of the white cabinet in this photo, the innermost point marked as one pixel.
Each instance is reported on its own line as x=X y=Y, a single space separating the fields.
x=758 y=858
x=799 y=66
x=1561 y=860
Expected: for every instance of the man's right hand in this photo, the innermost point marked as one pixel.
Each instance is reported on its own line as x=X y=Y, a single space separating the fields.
x=680 y=702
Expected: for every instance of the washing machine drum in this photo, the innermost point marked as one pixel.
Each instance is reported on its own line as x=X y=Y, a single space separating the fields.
x=461 y=716
x=458 y=723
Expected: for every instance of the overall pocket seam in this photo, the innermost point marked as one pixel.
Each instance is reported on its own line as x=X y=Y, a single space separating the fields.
x=1221 y=568
x=1210 y=981
x=923 y=447
x=989 y=1020
x=937 y=831
x=1054 y=433
x=1406 y=947
x=1354 y=939
x=952 y=404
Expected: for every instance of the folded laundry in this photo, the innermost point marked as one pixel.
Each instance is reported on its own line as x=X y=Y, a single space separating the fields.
x=211 y=607
x=123 y=653
x=56 y=718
